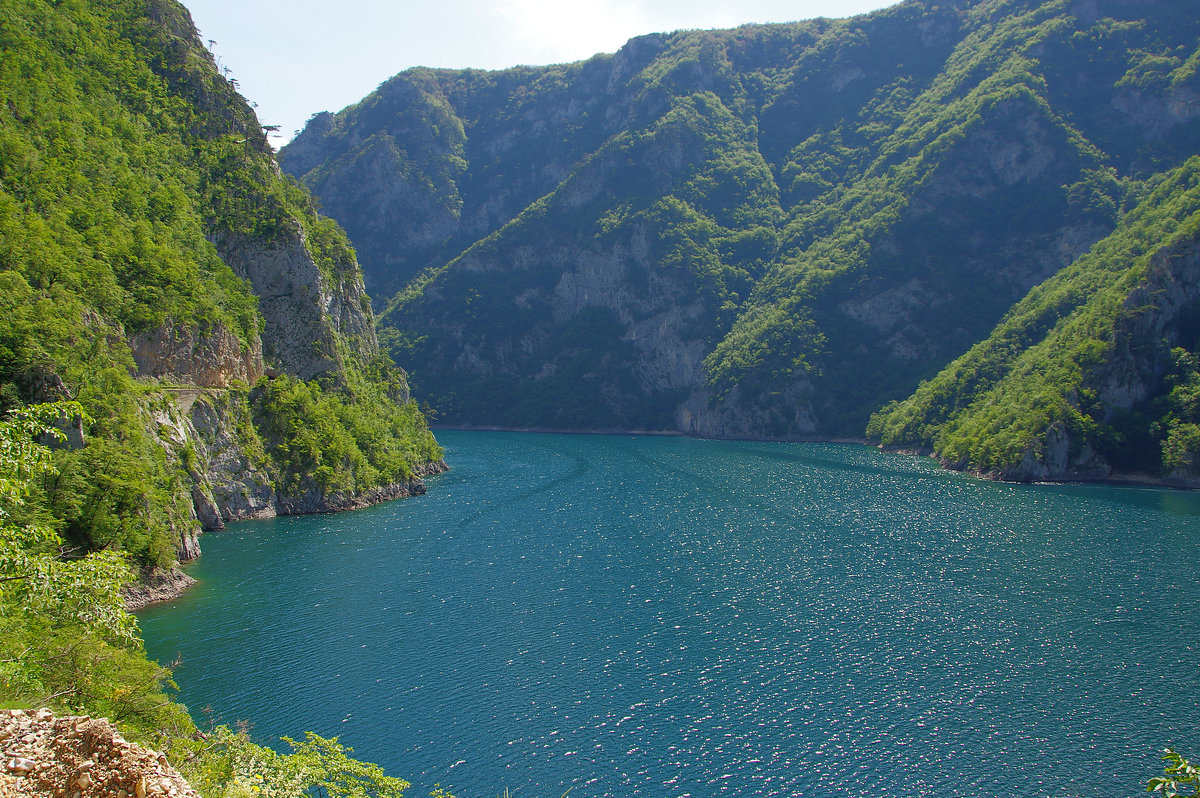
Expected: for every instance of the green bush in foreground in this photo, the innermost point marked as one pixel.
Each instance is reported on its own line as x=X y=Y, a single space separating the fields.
x=1178 y=774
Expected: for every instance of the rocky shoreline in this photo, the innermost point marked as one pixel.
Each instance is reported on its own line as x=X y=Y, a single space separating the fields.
x=158 y=584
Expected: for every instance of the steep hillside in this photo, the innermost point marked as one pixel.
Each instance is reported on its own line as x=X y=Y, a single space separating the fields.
x=157 y=267
x=1096 y=370
x=765 y=232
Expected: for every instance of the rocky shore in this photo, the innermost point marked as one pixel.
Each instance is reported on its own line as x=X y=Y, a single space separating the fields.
x=160 y=584
x=156 y=585
x=80 y=757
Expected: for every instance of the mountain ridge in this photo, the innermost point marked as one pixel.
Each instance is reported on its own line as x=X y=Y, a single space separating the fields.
x=767 y=232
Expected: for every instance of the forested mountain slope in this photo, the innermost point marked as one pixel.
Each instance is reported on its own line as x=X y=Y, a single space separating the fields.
x=1095 y=369
x=765 y=232
x=154 y=266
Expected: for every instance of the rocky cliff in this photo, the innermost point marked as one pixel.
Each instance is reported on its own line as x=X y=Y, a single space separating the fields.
x=312 y=319
x=767 y=232
x=159 y=268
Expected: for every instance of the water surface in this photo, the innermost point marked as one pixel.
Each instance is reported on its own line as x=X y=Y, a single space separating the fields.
x=673 y=617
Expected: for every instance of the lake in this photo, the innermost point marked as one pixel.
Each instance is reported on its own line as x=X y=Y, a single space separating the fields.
x=668 y=617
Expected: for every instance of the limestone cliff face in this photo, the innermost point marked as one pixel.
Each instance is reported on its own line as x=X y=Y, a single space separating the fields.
x=210 y=358
x=308 y=315
x=232 y=478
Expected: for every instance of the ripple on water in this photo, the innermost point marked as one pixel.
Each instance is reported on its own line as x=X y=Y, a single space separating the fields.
x=671 y=617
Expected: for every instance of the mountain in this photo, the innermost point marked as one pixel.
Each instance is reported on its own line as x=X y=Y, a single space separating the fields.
x=765 y=232
x=157 y=267
x=1095 y=370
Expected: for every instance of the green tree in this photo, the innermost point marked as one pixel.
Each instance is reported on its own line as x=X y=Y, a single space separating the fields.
x=239 y=768
x=38 y=577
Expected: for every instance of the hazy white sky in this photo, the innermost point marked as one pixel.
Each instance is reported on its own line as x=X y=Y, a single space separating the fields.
x=299 y=57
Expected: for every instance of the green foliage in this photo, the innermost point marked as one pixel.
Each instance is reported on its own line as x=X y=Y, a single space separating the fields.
x=235 y=767
x=1046 y=361
x=347 y=441
x=35 y=579
x=123 y=155
x=1180 y=777
x=65 y=638
x=95 y=199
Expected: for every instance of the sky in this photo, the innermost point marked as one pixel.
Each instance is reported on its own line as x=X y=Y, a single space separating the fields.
x=300 y=57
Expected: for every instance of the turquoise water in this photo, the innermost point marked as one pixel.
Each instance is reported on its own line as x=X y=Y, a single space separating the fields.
x=672 y=617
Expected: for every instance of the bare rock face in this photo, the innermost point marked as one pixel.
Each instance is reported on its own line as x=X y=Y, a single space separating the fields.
x=304 y=313
x=212 y=358
x=49 y=757
x=210 y=434
x=157 y=584
x=232 y=484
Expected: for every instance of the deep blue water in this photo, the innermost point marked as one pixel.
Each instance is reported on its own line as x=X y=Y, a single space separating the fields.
x=672 y=617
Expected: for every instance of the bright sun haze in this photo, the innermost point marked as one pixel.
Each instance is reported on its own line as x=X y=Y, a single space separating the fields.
x=307 y=56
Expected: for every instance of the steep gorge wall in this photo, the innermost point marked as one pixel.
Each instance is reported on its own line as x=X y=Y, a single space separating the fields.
x=767 y=232
x=159 y=269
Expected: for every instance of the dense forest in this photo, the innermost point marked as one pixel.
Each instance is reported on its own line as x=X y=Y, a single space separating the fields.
x=778 y=230
x=186 y=342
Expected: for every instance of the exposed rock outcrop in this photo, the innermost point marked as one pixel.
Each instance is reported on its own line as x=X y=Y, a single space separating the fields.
x=232 y=479
x=210 y=358
x=157 y=584
x=307 y=314
x=49 y=757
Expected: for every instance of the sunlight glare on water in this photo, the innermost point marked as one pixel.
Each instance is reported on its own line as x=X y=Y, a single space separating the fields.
x=672 y=617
